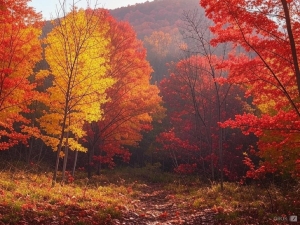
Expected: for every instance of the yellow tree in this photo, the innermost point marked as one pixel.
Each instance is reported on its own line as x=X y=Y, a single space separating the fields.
x=76 y=53
x=159 y=42
x=161 y=50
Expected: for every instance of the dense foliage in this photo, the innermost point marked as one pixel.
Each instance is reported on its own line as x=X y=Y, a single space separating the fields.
x=20 y=28
x=84 y=87
x=268 y=67
x=202 y=104
x=196 y=105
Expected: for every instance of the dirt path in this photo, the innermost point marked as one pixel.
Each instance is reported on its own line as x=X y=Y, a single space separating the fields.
x=156 y=206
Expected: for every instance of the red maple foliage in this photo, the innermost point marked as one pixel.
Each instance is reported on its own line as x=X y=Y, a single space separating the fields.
x=264 y=59
x=193 y=136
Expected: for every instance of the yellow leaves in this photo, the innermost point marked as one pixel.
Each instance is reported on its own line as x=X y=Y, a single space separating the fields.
x=61 y=155
x=74 y=145
x=183 y=46
x=159 y=41
x=76 y=46
x=77 y=52
x=32 y=131
x=145 y=117
x=42 y=74
x=267 y=107
x=50 y=141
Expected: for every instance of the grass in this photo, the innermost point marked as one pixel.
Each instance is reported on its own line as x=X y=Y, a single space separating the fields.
x=238 y=204
x=103 y=198
x=25 y=193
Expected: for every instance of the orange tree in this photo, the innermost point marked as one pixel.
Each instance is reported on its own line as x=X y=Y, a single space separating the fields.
x=133 y=104
x=264 y=59
x=20 y=50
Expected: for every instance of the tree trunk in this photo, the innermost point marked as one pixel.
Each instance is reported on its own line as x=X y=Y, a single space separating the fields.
x=221 y=158
x=99 y=168
x=65 y=159
x=58 y=156
x=212 y=168
x=30 y=150
x=40 y=152
x=292 y=42
x=59 y=149
x=66 y=153
x=91 y=154
x=75 y=162
x=56 y=164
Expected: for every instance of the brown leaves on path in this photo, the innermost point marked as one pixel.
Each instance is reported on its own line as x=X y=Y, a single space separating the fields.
x=156 y=205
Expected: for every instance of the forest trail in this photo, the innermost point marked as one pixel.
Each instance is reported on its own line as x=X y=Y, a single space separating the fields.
x=157 y=206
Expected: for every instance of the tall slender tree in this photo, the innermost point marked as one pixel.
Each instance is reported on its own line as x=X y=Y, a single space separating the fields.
x=76 y=52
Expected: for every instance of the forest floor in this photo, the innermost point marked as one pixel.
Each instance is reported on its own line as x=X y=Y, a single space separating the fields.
x=140 y=196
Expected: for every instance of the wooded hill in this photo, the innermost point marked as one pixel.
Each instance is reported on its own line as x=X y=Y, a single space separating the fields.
x=157 y=15
x=159 y=24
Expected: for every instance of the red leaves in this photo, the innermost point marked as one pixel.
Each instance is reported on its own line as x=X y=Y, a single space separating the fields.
x=70 y=178
x=278 y=138
x=170 y=141
x=108 y=153
x=163 y=215
x=186 y=168
x=5 y=72
x=195 y=107
x=260 y=172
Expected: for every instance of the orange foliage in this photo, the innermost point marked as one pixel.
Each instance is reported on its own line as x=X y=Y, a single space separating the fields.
x=133 y=101
x=20 y=50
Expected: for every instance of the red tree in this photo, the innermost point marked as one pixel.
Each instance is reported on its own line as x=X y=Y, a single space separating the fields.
x=193 y=109
x=268 y=66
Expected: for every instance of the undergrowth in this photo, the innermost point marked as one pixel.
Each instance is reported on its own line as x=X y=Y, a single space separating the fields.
x=28 y=195
x=240 y=204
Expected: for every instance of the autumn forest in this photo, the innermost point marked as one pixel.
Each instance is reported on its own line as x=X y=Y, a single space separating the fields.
x=163 y=112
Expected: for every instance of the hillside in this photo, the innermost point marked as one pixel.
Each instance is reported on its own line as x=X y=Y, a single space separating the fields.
x=163 y=15
x=159 y=25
